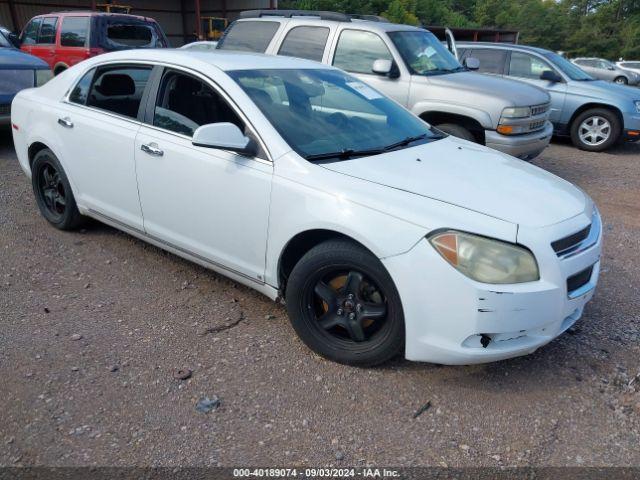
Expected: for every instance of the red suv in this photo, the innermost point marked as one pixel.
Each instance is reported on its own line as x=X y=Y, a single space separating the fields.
x=66 y=38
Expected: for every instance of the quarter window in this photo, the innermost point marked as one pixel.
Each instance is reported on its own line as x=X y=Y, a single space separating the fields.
x=249 y=36
x=74 y=31
x=185 y=102
x=491 y=61
x=305 y=42
x=119 y=89
x=48 y=30
x=80 y=92
x=30 y=34
x=527 y=66
x=357 y=50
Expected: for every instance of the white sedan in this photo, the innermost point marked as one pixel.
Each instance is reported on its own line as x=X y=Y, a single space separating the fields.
x=382 y=234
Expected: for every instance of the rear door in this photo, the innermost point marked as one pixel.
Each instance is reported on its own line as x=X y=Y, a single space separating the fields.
x=98 y=126
x=74 y=40
x=45 y=46
x=528 y=68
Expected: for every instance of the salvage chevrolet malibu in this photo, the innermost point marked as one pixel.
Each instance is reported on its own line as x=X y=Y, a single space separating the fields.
x=382 y=234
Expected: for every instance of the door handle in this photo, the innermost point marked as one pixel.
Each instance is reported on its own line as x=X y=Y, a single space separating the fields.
x=151 y=149
x=65 y=122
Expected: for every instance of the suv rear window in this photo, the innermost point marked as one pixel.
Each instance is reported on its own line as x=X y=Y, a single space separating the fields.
x=249 y=36
x=120 y=32
x=130 y=35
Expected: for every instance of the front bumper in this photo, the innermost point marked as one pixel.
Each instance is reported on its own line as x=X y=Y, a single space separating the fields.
x=631 y=126
x=525 y=147
x=447 y=313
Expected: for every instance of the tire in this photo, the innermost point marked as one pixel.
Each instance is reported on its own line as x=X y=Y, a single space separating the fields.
x=319 y=290
x=457 y=131
x=621 y=80
x=53 y=192
x=596 y=117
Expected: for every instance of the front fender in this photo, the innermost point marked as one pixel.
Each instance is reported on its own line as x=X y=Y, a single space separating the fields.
x=480 y=116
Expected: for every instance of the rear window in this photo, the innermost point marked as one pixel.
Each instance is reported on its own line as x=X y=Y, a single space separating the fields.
x=74 y=31
x=122 y=32
x=249 y=36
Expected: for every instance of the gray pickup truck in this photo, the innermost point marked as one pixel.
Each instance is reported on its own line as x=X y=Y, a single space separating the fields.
x=409 y=65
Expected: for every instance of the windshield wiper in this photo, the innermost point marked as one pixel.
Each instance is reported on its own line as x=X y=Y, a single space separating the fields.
x=344 y=154
x=408 y=140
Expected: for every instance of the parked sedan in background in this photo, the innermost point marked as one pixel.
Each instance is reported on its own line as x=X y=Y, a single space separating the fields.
x=384 y=235
x=632 y=65
x=18 y=70
x=594 y=113
x=66 y=38
x=9 y=35
x=606 y=70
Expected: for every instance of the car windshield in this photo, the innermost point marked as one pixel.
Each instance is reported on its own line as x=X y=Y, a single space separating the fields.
x=327 y=114
x=4 y=42
x=424 y=54
x=571 y=70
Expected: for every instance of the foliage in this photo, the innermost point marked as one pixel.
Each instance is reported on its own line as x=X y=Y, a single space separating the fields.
x=603 y=28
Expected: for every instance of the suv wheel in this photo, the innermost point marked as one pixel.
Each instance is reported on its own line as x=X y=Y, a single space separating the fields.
x=595 y=130
x=53 y=192
x=344 y=305
x=456 y=131
x=621 y=80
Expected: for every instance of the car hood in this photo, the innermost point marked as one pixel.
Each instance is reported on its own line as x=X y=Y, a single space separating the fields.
x=473 y=177
x=14 y=59
x=602 y=89
x=490 y=88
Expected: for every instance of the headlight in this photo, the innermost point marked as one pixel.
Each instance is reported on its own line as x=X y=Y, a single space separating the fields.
x=637 y=104
x=486 y=260
x=516 y=112
x=42 y=77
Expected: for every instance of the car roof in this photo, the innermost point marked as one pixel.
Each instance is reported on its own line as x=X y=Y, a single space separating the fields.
x=375 y=26
x=225 y=60
x=509 y=46
x=89 y=13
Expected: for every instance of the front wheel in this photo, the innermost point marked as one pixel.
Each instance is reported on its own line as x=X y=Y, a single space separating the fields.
x=621 y=80
x=344 y=305
x=457 y=131
x=595 y=130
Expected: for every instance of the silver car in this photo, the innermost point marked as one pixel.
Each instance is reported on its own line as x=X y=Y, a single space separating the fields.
x=606 y=70
x=633 y=65
x=409 y=65
x=596 y=114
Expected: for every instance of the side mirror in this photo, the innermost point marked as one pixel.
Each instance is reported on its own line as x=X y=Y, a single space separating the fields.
x=386 y=68
x=550 y=76
x=15 y=40
x=611 y=68
x=472 y=63
x=225 y=136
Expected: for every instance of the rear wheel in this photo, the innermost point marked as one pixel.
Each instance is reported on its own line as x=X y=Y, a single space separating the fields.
x=621 y=80
x=456 y=131
x=53 y=192
x=344 y=305
x=595 y=130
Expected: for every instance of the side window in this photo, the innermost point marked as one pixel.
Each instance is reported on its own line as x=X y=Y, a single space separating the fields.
x=305 y=42
x=249 y=36
x=185 y=102
x=80 y=92
x=119 y=89
x=491 y=61
x=74 y=31
x=357 y=50
x=48 y=31
x=30 y=33
x=527 y=66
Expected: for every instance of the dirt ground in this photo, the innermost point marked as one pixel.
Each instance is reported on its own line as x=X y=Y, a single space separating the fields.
x=94 y=324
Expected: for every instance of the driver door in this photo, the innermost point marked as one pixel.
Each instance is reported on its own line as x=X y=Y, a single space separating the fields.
x=209 y=203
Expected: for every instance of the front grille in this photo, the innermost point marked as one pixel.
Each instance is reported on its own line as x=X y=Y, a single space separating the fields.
x=566 y=244
x=5 y=109
x=533 y=126
x=578 y=280
x=539 y=109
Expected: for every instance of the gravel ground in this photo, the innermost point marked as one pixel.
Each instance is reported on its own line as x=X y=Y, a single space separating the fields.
x=95 y=324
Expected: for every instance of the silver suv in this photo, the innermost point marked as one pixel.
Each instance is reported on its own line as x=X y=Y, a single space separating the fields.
x=409 y=65
x=606 y=70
